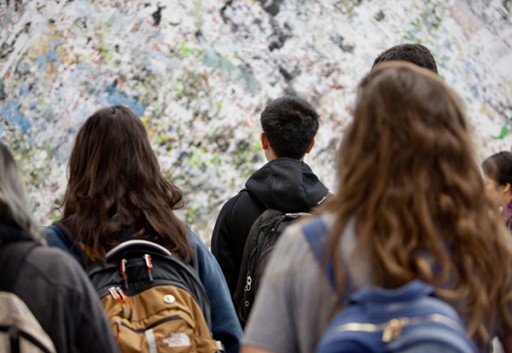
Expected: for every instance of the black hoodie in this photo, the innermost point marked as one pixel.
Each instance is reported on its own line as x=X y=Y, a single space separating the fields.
x=285 y=184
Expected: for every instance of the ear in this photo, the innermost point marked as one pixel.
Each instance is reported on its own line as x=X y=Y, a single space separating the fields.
x=506 y=188
x=264 y=141
x=311 y=146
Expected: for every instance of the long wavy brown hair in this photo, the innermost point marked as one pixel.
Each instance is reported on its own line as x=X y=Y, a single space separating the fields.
x=116 y=186
x=408 y=176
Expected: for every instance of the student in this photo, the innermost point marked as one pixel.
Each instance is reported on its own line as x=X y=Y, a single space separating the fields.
x=117 y=192
x=285 y=183
x=417 y=54
x=48 y=281
x=498 y=179
x=409 y=190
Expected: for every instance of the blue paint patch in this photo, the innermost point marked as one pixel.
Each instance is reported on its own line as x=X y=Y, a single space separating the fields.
x=474 y=91
x=118 y=97
x=41 y=60
x=11 y=111
x=52 y=55
x=24 y=89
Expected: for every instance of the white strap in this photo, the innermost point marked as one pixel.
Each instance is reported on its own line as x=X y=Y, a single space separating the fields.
x=150 y=337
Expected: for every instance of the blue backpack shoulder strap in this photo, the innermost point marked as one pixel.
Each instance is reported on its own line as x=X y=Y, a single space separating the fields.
x=316 y=233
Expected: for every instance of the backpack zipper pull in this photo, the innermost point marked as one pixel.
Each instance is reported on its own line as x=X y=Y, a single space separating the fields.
x=118 y=329
x=126 y=299
x=116 y=296
x=248 y=282
x=149 y=265
x=122 y=268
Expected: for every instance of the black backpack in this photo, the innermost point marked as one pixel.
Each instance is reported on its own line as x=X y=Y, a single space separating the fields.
x=260 y=242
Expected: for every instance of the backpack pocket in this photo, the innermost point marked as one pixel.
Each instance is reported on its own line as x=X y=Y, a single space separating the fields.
x=159 y=319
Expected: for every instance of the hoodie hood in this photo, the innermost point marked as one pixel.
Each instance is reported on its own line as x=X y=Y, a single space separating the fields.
x=288 y=185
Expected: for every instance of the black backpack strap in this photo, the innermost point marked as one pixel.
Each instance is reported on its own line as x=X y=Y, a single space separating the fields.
x=14 y=249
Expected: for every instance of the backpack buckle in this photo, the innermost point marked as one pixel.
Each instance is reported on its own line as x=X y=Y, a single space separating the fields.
x=393 y=329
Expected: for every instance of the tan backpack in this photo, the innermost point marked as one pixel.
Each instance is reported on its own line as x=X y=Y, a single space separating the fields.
x=154 y=301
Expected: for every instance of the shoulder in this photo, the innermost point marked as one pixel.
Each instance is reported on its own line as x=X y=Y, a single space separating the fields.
x=239 y=201
x=238 y=214
x=293 y=254
x=294 y=234
x=55 y=237
x=49 y=258
x=202 y=254
x=195 y=240
x=60 y=237
x=52 y=270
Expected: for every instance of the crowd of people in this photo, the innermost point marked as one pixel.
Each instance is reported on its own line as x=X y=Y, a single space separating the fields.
x=411 y=203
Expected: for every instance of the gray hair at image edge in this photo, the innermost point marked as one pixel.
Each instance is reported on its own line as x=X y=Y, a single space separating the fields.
x=14 y=206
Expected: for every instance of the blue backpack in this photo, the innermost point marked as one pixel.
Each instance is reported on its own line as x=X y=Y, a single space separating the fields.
x=403 y=320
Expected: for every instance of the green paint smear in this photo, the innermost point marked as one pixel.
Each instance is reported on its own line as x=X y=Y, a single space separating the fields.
x=503 y=133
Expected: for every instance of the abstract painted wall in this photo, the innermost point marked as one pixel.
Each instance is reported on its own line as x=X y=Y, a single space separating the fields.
x=199 y=72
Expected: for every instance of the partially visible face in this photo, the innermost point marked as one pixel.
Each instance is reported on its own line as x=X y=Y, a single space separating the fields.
x=495 y=191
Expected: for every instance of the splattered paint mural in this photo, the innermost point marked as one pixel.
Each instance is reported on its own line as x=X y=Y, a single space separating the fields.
x=199 y=72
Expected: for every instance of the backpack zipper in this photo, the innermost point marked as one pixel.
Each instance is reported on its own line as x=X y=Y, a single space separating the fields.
x=256 y=254
x=392 y=329
x=154 y=324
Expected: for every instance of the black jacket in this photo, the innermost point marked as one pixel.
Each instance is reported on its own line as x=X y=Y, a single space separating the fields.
x=58 y=292
x=285 y=184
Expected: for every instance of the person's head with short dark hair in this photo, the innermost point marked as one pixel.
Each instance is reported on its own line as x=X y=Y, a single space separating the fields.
x=417 y=54
x=289 y=126
x=498 y=176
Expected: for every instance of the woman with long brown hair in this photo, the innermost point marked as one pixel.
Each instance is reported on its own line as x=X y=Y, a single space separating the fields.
x=116 y=192
x=411 y=205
